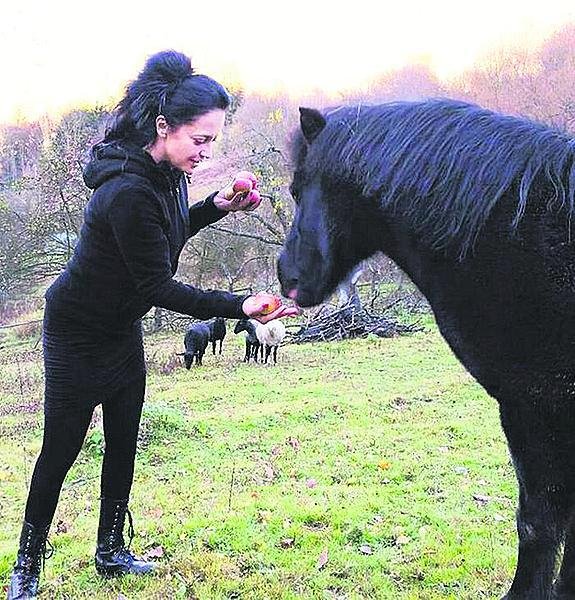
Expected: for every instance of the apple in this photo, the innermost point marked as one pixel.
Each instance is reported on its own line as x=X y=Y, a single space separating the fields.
x=248 y=175
x=242 y=186
x=254 y=197
x=270 y=304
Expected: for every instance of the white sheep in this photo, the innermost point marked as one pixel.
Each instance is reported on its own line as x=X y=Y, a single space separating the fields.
x=270 y=335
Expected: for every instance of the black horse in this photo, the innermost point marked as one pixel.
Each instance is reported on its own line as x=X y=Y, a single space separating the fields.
x=476 y=208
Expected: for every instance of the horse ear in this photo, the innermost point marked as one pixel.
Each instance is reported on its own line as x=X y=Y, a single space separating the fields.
x=312 y=122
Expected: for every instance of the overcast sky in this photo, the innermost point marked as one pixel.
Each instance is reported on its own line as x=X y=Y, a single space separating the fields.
x=61 y=53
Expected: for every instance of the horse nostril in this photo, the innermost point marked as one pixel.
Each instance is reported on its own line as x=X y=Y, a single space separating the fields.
x=292 y=293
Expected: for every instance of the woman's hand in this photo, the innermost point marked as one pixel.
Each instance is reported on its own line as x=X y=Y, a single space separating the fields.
x=241 y=194
x=264 y=307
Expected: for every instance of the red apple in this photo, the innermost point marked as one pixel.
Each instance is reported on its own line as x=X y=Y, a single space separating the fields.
x=270 y=304
x=242 y=186
x=254 y=197
x=250 y=176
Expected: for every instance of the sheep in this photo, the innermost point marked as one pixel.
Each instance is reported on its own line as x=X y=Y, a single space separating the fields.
x=270 y=335
x=217 y=332
x=195 y=343
x=252 y=342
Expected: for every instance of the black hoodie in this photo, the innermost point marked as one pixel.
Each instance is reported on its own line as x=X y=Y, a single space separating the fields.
x=135 y=227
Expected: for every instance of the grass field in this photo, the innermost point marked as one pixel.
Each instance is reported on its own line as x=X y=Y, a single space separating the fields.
x=372 y=468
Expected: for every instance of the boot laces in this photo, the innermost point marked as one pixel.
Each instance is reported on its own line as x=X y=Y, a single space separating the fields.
x=115 y=534
x=38 y=559
x=47 y=552
x=130 y=528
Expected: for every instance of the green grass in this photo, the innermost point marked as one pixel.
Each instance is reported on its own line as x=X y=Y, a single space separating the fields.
x=382 y=453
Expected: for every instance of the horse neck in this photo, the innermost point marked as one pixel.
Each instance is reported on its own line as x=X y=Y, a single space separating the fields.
x=431 y=271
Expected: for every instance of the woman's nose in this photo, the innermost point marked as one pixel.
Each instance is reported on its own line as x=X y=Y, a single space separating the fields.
x=206 y=151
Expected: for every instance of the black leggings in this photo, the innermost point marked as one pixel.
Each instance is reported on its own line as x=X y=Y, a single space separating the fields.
x=64 y=433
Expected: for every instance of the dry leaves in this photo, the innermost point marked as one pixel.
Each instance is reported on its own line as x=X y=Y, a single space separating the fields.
x=269 y=471
x=61 y=527
x=293 y=442
x=481 y=500
x=322 y=559
x=154 y=552
x=156 y=513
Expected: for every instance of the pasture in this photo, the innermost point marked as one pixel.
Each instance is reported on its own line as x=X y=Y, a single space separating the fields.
x=373 y=468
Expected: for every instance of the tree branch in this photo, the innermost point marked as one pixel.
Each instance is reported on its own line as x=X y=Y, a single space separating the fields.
x=246 y=235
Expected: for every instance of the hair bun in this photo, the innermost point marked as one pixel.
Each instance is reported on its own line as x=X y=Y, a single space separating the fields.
x=169 y=66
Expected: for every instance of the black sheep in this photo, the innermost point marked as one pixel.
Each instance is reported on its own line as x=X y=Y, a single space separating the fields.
x=217 y=332
x=252 y=342
x=195 y=343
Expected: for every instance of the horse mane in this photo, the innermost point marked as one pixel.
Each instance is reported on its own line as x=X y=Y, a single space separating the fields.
x=442 y=163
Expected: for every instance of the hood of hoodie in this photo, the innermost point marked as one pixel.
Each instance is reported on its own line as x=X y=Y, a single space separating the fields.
x=111 y=159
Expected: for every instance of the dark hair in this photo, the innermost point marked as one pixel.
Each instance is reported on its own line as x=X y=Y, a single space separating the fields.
x=167 y=86
x=443 y=163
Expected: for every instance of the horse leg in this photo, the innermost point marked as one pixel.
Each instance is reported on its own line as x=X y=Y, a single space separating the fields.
x=268 y=350
x=565 y=585
x=221 y=342
x=275 y=355
x=248 y=352
x=543 y=508
x=539 y=527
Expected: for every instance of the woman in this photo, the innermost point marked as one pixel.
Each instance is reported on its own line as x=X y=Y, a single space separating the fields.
x=135 y=227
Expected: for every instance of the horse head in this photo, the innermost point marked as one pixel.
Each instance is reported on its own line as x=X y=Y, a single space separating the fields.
x=328 y=235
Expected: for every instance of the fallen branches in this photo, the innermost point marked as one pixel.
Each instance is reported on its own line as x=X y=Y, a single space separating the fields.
x=349 y=321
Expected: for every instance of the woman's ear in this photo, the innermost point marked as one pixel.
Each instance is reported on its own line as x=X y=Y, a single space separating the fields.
x=161 y=126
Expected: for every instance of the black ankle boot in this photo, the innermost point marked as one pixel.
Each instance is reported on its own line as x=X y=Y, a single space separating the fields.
x=31 y=554
x=112 y=556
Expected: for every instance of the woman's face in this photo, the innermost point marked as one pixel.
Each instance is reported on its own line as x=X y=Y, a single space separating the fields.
x=187 y=145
